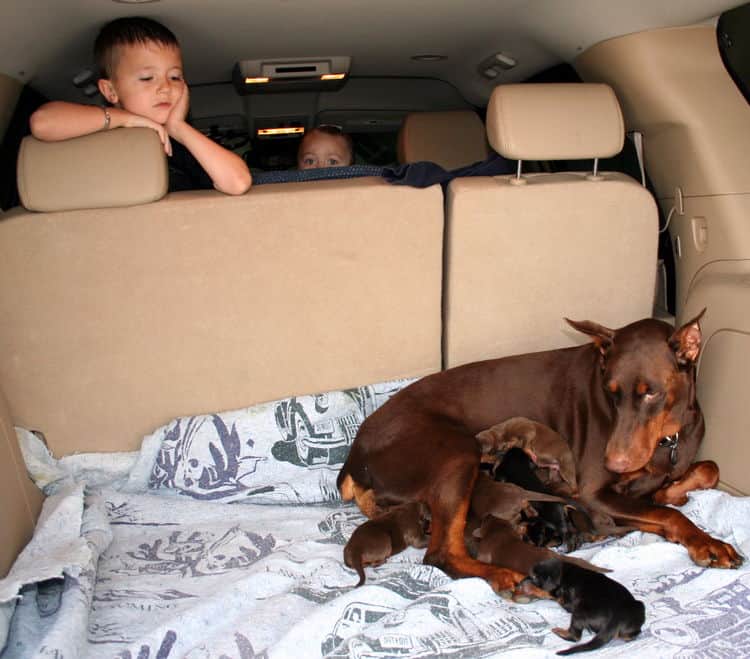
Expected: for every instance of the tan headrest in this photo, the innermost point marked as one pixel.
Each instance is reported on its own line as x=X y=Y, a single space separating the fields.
x=564 y=121
x=120 y=167
x=451 y=139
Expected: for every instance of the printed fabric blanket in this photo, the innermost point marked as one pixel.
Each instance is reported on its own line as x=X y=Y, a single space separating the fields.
x=128 y=563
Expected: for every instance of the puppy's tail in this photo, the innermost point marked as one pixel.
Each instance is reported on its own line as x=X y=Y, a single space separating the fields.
x=354 y=562
x=603 y=637
x=580 y=562
x=361 y=572
x=542 y=496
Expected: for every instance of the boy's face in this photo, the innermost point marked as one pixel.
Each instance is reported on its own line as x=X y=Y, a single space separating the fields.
x=319 y=149
x=147 y=80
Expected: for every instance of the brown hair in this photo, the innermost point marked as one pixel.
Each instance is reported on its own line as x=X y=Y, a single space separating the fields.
x=329 y=129
x=128 y=31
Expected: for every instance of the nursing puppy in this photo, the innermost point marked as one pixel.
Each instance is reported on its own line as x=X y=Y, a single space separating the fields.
x=501 y=543
x=373 y=542
x=546 y=448
x=551 y=526
x=597 y=603
x=505 y=500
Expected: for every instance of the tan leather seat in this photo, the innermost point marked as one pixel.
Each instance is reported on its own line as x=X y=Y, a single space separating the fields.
x=117 y=318
x=451 y=139
x=120 y=167
x=523 y=254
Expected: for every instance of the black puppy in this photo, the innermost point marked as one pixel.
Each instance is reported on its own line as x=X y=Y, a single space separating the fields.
x=597 y=603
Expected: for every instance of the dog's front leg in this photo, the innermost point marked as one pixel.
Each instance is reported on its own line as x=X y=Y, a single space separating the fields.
x=672 y=525
x=449 y=501
x=699 y=476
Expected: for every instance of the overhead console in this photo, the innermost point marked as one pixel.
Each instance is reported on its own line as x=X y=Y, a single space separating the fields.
x=286 y=74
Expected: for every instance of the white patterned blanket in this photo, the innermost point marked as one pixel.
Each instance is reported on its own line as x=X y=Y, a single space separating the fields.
x=155 y=569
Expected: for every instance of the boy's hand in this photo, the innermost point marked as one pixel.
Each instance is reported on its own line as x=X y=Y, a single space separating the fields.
x=179 y=111
x=130 y=120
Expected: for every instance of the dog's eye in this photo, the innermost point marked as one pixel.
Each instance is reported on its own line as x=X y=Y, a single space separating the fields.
x=613 y=390
x=651 y=396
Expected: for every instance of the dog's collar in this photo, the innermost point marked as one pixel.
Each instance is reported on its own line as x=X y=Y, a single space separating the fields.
x=670 y=442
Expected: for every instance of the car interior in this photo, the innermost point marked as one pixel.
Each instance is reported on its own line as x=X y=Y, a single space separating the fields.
x=124 y=307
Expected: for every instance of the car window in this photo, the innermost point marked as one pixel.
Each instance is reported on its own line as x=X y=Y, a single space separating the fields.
x=732 y=32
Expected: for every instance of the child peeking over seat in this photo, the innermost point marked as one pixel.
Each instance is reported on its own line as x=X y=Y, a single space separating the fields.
x=140 y=69
x=325 y=146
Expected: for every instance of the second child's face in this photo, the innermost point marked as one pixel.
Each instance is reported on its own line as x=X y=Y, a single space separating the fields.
x=320 y=149
x=147 y=80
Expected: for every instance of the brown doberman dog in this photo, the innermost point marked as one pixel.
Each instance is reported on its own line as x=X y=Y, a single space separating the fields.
x=625 y=401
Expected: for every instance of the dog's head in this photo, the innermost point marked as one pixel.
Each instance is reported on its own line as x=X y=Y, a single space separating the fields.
x=648 y=374
x=547 y=574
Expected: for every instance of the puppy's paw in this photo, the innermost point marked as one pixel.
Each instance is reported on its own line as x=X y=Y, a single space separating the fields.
x=563 y=633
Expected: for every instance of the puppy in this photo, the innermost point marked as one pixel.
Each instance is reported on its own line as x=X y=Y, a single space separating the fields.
x=551 y=526
x=546 y=448
x=380 y=538
x=505 y=500
x=594 y=525
x=501 y=544
x=597 y=603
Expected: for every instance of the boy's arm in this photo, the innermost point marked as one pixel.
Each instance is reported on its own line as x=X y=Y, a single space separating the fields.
x=227 y=170
x=60 y=120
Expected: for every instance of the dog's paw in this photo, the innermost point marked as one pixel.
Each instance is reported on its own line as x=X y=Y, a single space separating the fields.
x=710 y=552
x=526 y=592
x=563 y=633
x=667 y=497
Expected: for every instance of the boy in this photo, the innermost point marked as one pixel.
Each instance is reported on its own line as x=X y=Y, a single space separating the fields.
x=140 y=68
x=325 y=146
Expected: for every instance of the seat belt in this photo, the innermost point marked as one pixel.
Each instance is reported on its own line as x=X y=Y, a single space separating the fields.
x=637 y=138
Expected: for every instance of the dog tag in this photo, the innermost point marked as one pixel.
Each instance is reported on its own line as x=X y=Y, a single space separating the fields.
x=671 y=444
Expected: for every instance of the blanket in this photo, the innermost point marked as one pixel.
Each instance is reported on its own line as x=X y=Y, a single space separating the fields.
x=166 y=572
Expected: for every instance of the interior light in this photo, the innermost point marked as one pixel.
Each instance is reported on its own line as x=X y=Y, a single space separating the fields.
x=255 y=81
x=286 y=130
x=428 y=58
x=505 y=61
x=333 y=76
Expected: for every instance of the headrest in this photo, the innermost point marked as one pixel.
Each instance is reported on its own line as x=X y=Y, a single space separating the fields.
x=450 y=139
x=562 y=121
x=119 y=167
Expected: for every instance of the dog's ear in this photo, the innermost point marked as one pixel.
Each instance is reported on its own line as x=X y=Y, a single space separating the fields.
x=600 y=335
x=686 y=341
x=488 y=440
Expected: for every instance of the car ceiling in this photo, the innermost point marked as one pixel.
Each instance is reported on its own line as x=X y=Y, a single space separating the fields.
x=47 y=42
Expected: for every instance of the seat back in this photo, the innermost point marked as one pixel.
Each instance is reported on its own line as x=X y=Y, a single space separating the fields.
x=115 y=320
x=522 y=254
x=451 y=139
x=20 y=500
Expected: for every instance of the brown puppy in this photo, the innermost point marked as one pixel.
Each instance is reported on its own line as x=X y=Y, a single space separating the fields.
x=378 y=539
x=505 y=500
x=546 y=448
x=593 y=525
x=597 y=603
x=501 y=544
